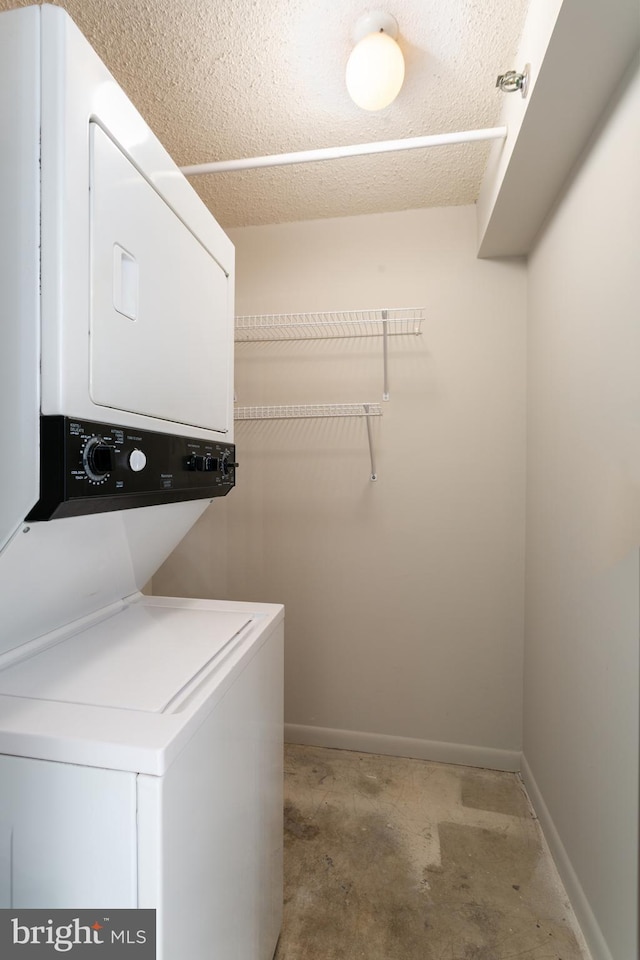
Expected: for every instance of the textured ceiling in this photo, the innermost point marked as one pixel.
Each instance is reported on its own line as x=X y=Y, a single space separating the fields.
x=222 y=79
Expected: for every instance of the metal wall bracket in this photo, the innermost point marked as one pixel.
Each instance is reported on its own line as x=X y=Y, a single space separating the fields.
x=512 y=81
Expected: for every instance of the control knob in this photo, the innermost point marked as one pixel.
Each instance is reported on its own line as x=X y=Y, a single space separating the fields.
x=226 y=465
x=98 y=459
x=137 y=460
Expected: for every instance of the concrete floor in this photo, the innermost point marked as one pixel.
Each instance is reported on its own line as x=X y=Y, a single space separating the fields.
x=393 y=859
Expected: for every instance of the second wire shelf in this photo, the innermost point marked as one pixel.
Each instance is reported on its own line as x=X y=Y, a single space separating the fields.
x=295 y=411
x=315 y=410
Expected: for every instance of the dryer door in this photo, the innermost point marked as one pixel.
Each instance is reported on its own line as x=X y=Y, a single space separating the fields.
x=159 y=314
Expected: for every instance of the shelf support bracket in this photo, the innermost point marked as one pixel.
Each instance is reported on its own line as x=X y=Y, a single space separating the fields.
x=374 y=475
x=385 y=354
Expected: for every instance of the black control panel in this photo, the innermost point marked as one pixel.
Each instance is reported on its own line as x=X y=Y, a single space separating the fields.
x=88 y=467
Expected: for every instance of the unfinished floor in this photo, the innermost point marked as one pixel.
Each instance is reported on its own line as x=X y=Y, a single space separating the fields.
x=394 y=859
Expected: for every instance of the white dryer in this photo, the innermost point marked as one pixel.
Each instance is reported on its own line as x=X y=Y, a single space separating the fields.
x=140 y=738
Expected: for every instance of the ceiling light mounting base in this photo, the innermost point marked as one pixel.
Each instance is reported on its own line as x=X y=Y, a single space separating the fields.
x=376 y=21
x=512 y=81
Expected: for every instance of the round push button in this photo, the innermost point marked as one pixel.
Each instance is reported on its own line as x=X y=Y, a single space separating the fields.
x=137 y=460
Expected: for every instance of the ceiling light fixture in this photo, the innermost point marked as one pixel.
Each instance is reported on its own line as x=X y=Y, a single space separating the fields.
x=375 y=69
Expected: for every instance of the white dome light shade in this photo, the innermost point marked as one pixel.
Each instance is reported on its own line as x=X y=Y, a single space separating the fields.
x=375 y=71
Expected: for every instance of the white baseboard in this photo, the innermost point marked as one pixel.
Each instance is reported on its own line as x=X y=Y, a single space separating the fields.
x=469 y=756
x=581 y=907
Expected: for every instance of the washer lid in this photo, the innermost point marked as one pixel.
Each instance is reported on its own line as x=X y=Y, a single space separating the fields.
x=138 y=659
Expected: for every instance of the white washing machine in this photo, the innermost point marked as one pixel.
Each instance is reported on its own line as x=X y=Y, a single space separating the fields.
x=140 y=738
x=141 y=766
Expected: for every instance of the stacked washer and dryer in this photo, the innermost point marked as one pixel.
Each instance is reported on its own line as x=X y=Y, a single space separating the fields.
x=140 y=737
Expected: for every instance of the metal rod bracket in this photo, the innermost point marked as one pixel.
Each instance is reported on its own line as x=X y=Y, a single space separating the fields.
x=374 y=475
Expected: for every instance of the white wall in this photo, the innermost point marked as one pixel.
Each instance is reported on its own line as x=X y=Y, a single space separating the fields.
x=404 y=597
x=583 y=531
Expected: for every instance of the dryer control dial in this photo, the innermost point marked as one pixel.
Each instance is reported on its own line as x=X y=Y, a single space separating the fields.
x=98 y=459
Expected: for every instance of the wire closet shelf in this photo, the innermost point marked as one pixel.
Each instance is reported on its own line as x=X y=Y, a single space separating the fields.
x=382 y=323
x=317 y=410
x=320 y=326
x=309 y=410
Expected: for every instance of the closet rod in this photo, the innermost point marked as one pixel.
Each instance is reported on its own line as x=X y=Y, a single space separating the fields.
x=338 y=153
